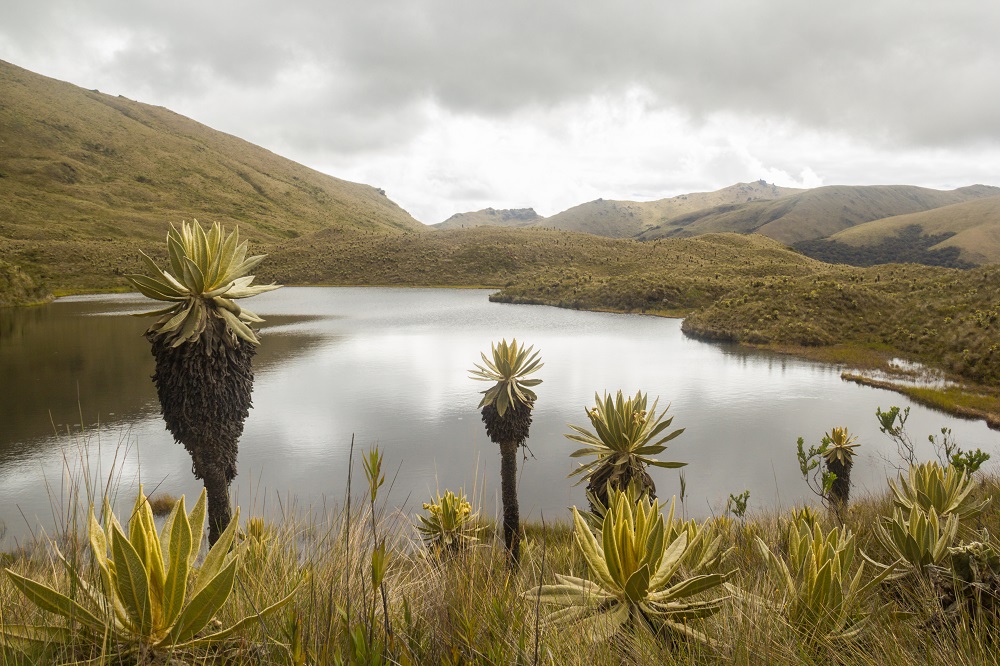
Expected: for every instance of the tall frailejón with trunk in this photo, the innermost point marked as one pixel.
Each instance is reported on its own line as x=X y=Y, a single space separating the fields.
x=838 y=453
x=506 y=412
x=204 y=345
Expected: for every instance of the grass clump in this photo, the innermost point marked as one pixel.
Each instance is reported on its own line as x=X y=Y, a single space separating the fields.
x=161 y=504
x=369 y=593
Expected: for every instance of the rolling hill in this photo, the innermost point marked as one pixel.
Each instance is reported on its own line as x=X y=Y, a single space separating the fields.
x=861 y=225
x=967 y=232
x=619 y=219
x=817 y=213
x=86 y=178
x=491 y=217
x=627 y=219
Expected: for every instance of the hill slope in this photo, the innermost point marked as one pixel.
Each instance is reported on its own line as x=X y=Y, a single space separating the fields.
x=626 y=219
x=817 y=213
x=968 y=232
x=737 y=287
x=508 y=217
x=87 y=177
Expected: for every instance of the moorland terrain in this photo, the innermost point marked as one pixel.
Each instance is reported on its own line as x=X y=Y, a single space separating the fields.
x=87 y=179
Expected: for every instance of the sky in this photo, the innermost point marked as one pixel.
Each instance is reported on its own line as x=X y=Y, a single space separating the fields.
x=459 y=105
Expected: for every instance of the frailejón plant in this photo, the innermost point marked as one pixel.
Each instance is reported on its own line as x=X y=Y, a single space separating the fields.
x=625 y=437
x=506 y=410
x=632 y=567
x=838 y=455
x=450 y=523
x=947 y=490
x=151 y=594
x=973 y=581
x=817 y=594
x=920 y=540
x=204 y=344
x=704 y=552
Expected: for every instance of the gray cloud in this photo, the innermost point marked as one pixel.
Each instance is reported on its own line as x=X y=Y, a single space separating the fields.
x=896 y=71
x=327 y=82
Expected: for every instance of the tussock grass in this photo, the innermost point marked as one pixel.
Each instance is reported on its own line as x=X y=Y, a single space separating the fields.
x=471 y=608
x=161 y=504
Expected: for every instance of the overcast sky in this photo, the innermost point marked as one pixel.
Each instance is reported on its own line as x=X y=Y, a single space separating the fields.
x=456 y=105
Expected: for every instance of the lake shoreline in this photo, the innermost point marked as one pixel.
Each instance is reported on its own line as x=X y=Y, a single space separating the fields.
x=964 y=401
x=853 y=356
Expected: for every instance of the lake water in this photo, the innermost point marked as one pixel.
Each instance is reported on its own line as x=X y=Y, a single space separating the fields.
x=390 y=366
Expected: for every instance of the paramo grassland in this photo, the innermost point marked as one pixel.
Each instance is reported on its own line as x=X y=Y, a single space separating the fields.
x=752 y=290
x=88 y=179
x=310 y=577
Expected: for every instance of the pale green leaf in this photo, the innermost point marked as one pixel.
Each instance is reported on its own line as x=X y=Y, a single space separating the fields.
x=49 y=600
x=203 y=606
x=131 y=582
x=179 y=557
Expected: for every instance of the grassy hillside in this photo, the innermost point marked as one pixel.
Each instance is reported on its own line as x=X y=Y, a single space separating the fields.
x=507 y=217
x=750 y=289
x=969 y=232
x=17 y=287
x=817 y=213
x=909 y=245
x=625 y=219
x=86 y=178
x=484 y=256
x=568 y=264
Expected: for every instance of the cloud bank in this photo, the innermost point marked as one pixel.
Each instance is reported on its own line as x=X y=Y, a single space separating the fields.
x=455 y=105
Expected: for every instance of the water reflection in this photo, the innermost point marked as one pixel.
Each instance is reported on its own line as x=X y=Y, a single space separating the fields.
x=390 y=366
x=85 y=357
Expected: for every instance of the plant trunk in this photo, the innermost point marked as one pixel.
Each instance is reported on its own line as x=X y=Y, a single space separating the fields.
x=619 y=479
x=509 y=431
x=841 y=489
x=219 y=508
x=205 y=389
x=511 y=512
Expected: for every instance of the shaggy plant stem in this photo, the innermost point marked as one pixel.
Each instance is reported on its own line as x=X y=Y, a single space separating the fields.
x=511 y=514
x=219 y=510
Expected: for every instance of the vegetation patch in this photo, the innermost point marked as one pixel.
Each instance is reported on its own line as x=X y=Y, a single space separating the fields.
x=961 y=401
x=19 y=288
x=909 y=245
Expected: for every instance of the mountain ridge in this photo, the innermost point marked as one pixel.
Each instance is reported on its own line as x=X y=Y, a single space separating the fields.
x=504 y=217
x=802 y=218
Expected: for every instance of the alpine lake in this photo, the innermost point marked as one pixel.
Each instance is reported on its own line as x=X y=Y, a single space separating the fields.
x=390 y=367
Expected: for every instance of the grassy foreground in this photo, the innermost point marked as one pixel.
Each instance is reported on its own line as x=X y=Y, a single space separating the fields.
x=469 y=608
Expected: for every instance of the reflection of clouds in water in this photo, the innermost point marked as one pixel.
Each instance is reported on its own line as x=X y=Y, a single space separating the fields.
x=390 y=366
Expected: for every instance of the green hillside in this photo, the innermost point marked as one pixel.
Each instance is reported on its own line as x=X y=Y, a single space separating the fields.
x=17 y=287
x=86 y=178
x=817 y=213
x=962 y=234
x=870 y=224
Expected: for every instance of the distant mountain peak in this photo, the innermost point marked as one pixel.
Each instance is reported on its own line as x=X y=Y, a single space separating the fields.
x=494 y=217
